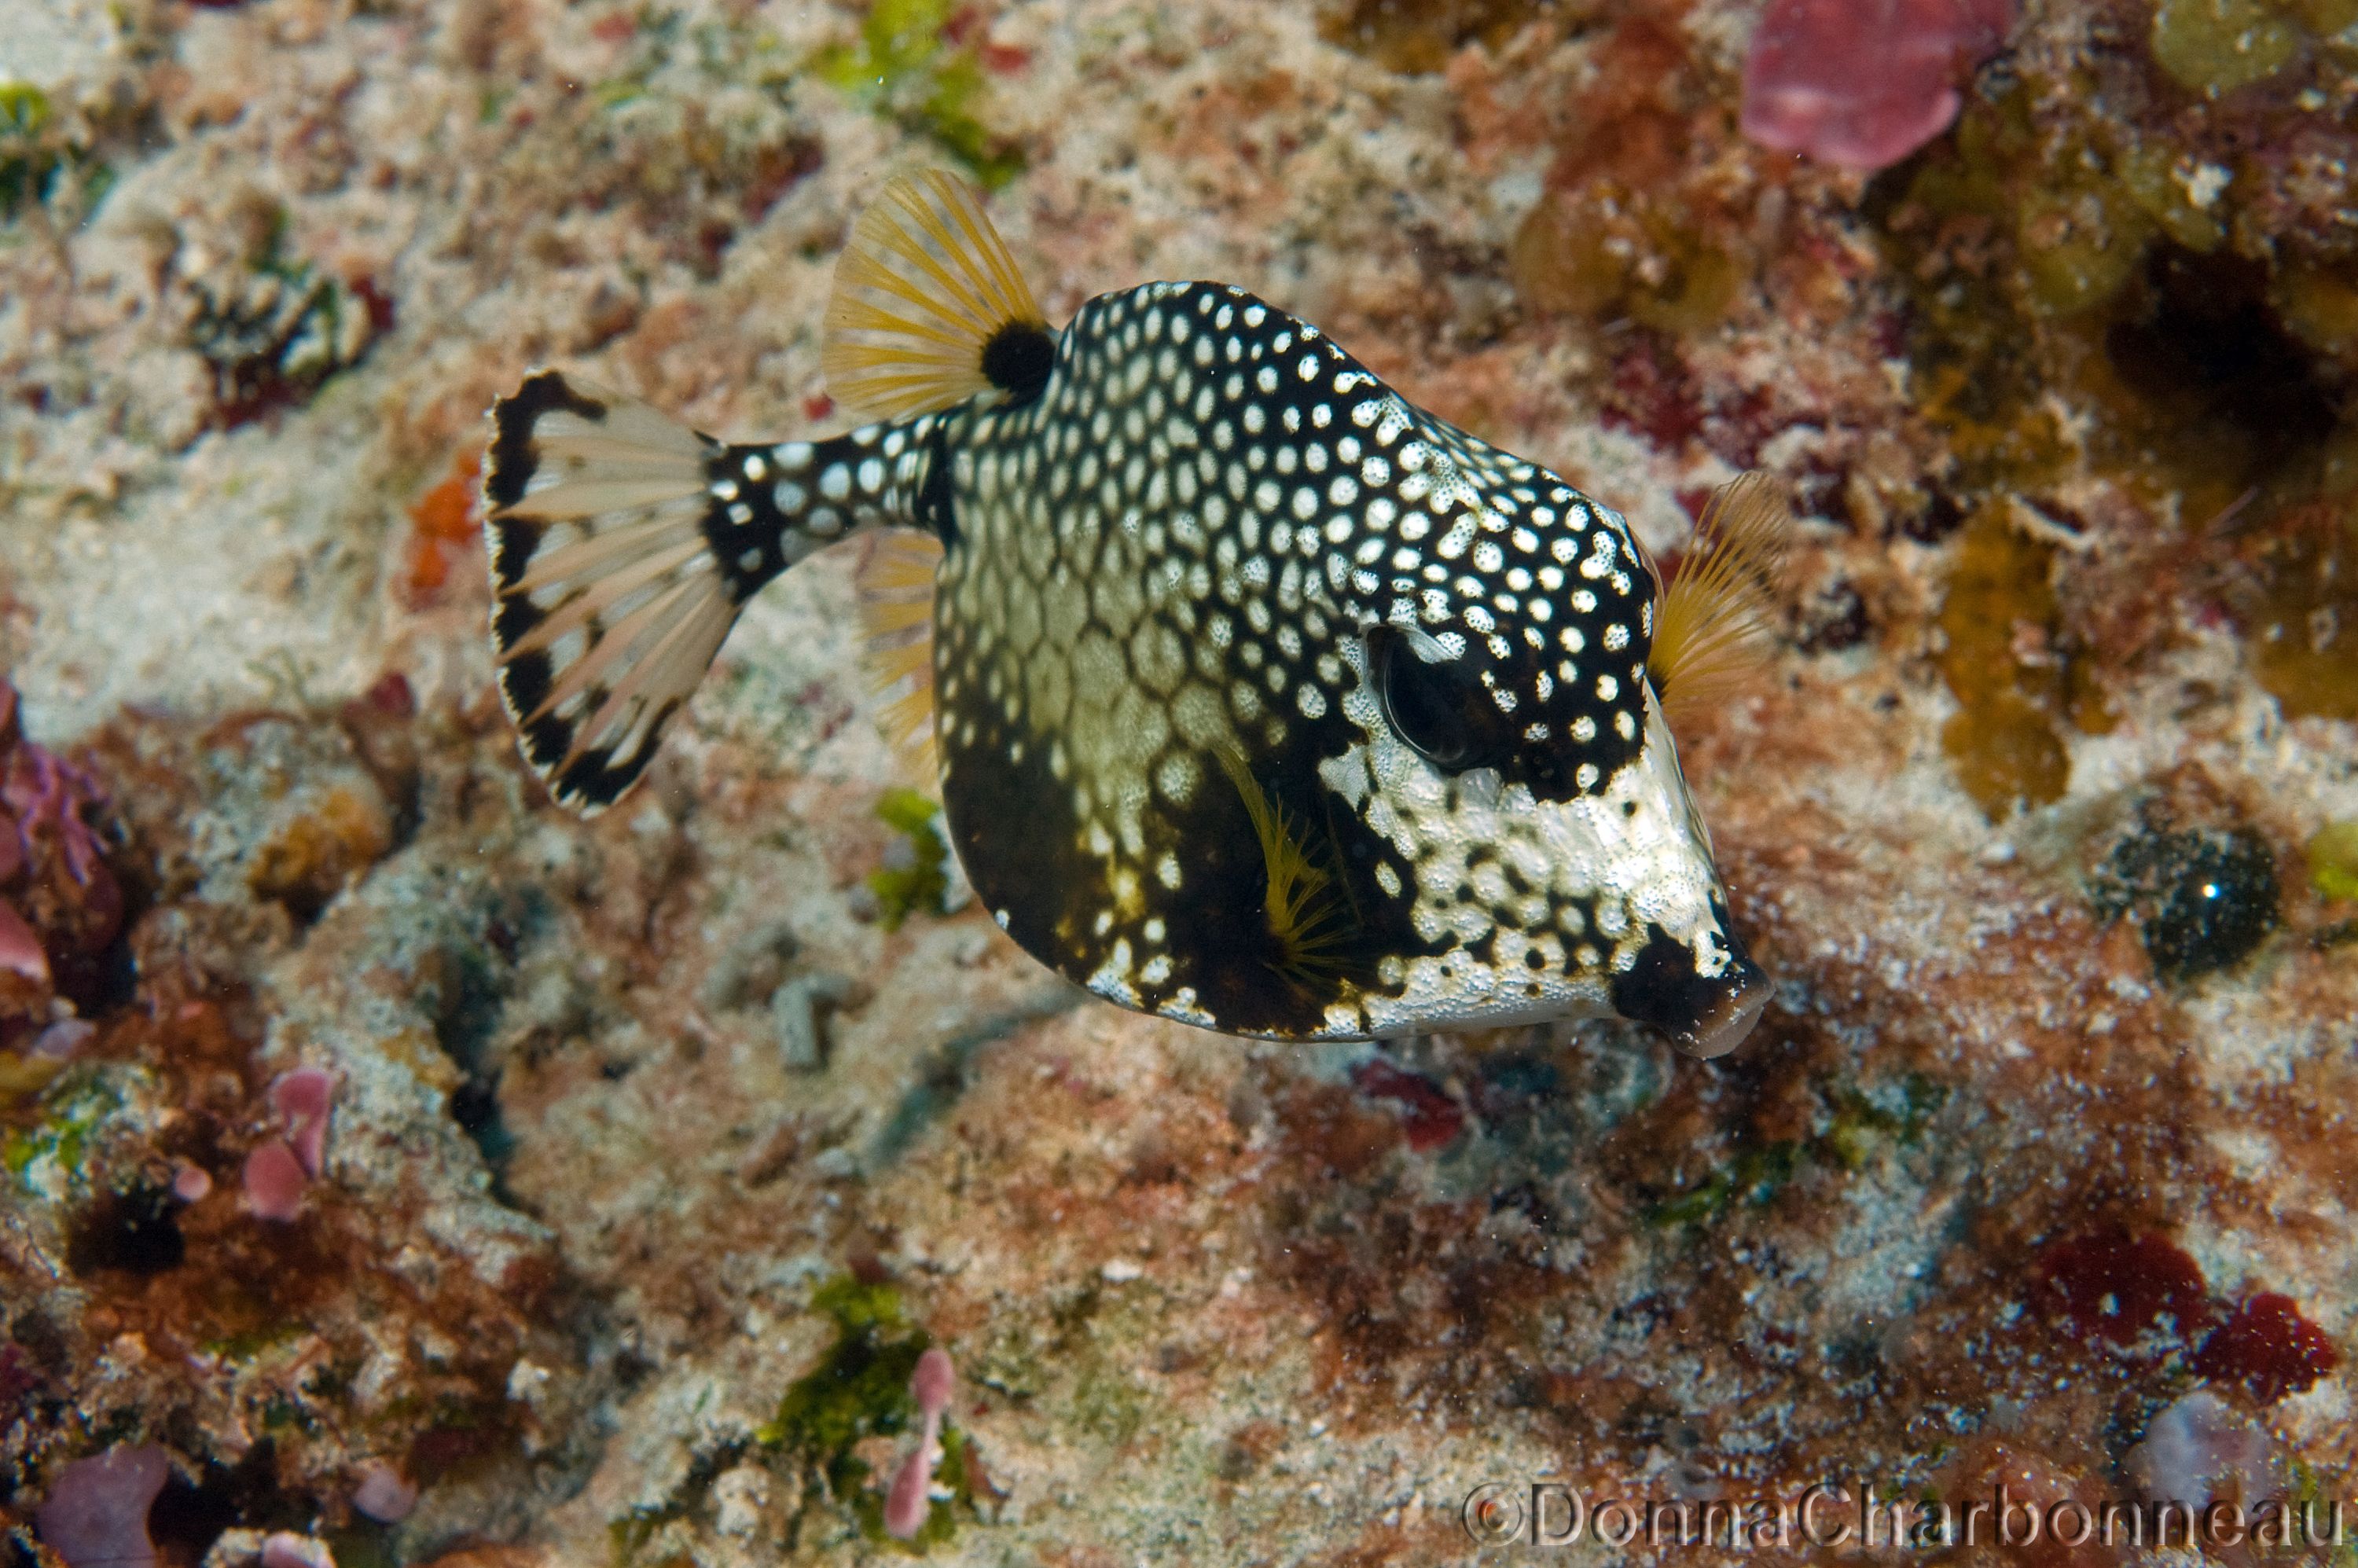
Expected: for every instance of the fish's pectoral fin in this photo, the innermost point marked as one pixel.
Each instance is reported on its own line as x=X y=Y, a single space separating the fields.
x=607 y=601
x=896 y=583
x=928 y=307
x=1309 y=920
x=1714 y=625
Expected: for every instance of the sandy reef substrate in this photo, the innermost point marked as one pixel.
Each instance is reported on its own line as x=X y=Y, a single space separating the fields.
x=1977 y=1204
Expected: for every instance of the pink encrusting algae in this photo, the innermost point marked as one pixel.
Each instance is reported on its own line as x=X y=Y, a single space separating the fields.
x=277 y=1171
x=96 y=1513
x=2200 y=1448
x=20 y=947
x=302 y=1097
x=2004 y=1193
x=274 y=1180
x=284 y=1549
x=60 y=905
x=49 y=803
x=383 y=1493
x=910 y=1499
x=1862 y=83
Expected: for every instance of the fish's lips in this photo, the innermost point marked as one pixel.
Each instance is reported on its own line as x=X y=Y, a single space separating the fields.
x=1727 y=1025
x=1705 y=1015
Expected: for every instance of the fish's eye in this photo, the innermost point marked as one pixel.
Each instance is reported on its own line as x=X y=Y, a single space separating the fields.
x=1437 y=707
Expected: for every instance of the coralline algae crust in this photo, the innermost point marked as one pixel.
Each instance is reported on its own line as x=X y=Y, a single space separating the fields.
x=2062 y=398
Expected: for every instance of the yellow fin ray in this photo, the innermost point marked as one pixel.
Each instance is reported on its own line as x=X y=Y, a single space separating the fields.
x=895 y=584
x=1306 y=912
x=923 y=284
x=1715 y=623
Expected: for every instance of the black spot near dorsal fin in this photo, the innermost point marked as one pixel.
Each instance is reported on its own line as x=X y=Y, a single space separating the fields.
x=923 y=286
x=1018 y=360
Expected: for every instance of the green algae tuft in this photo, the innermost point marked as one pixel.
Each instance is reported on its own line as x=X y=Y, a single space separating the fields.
x=905 y=67
x=860 y=1389
x=915 y=874
x=2214 y=47
x=2333 y=860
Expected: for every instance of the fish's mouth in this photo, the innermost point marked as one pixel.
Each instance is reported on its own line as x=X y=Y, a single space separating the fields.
x=1725 y=1027
x=1706 y=1016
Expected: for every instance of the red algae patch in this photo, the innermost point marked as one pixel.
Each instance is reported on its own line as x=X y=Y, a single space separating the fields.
x=444 y=529
x=1429 y=1118
x=2266 y=1345
x=2123 y=1288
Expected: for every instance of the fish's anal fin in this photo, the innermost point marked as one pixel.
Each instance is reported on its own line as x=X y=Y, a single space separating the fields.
x=623 y=545
x=895 y=582
x=1715 y=623
x=1308 y=918
x=928 y=307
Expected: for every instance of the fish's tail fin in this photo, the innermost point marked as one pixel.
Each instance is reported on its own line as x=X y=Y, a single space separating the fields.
x=623 y=545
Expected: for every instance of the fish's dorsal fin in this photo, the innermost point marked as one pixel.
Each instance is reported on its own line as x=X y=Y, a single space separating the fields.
x=1714 y=622
x=928 y=307
x=1308 y=918
x=895 y=582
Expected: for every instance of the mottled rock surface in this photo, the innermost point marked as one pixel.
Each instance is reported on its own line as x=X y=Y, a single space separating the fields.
x=658 y=1152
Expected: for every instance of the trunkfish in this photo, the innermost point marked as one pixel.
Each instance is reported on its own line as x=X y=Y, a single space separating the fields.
x=1260 y=698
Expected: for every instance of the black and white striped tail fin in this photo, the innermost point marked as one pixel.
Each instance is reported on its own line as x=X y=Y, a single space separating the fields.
x=623 y=545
